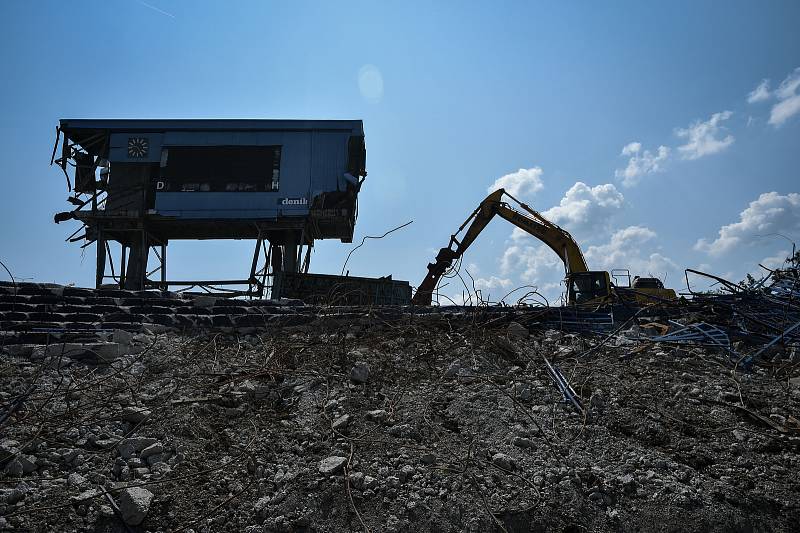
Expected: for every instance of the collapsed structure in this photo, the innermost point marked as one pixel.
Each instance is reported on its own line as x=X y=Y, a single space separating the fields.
x=143 y=183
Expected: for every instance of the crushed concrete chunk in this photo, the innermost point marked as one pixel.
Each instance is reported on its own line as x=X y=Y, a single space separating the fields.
x=332 y=465
x=377 y=415
x=356 y=480
x=517 y=331
x=127 y=447
x=522 y=442
x=20 y=465
x=341 y=423
x=76 y=480
x=135 y=415
x=153 y=449
x=503 y=461
x=134 y=503
x=360 y=372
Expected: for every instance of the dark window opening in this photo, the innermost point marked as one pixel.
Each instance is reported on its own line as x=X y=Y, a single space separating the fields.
x=587 y=286
x=220 y=169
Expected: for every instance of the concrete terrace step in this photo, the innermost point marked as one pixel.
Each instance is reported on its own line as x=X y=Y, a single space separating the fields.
x=42 y=313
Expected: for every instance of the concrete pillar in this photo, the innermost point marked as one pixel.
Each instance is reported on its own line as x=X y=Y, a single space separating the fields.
x=290 y=253
x=137 y=266
x=277 y=258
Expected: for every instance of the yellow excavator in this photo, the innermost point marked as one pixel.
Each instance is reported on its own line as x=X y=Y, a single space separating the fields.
x=584 y=287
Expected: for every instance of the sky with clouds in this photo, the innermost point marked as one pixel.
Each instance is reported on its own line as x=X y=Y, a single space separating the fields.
x=661 y=136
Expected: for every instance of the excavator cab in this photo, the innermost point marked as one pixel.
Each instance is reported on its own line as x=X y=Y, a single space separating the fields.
x=586 y=287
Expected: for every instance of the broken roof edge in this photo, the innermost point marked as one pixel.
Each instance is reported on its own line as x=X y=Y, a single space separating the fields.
x=213 y=124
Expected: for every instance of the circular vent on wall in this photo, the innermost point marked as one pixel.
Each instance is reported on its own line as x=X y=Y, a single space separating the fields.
x=138 y=147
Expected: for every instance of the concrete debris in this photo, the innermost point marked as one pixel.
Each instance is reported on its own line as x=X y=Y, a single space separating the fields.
x=360 y=372
x=153 y=449
x=127 y=447
x=449 y=417
x=370 y=483
x=406 y=472
x=503 y=461
x=340 y=424
x=522 y=442
x=135 y=415
x=134 y=504
x=517 y=331
x=332 y=465
x=356 y=480
x=76 y=480
x=452 y=370
x=522 y=392
x=427 y=458
x=377 y=415
x=20 y=465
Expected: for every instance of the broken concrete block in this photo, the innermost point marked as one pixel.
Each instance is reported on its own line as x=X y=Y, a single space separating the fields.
x=503 y=461
x=153 y=449
x=359 y=373
x=127 y=447
x=517 y=331
x=135 y=415
x=332 y=465
x=340 y=424
x=134 y=503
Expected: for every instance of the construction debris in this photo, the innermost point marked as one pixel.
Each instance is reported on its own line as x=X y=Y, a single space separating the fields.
x=682 y=414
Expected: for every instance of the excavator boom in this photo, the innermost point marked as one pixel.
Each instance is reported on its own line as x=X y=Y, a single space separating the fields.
x=528 y=220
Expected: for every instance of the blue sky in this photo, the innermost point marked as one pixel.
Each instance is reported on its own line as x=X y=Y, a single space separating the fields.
x=579 y=96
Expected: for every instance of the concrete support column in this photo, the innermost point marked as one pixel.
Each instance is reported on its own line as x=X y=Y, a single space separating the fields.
x=137 y=266
x=276 y=259
x=290 y=253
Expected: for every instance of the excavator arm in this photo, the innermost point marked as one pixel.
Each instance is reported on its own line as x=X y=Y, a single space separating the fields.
x=528 y=220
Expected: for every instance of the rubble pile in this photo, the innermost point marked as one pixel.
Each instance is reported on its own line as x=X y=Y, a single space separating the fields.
x=134 y=411
x=435 y=422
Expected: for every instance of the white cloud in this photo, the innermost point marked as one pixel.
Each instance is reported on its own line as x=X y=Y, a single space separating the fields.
x=703 y=138
x=492 y=282
x=473 y=268
x=529 y=261
x=535 y=265
x=631 y=148
x=624 y=250
x=522 y=182
x=788 y=100
x=775 y=261
x=760 y=93
x=771 y=213
x=518 y=235
x=584 y=207
x=640 y=163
